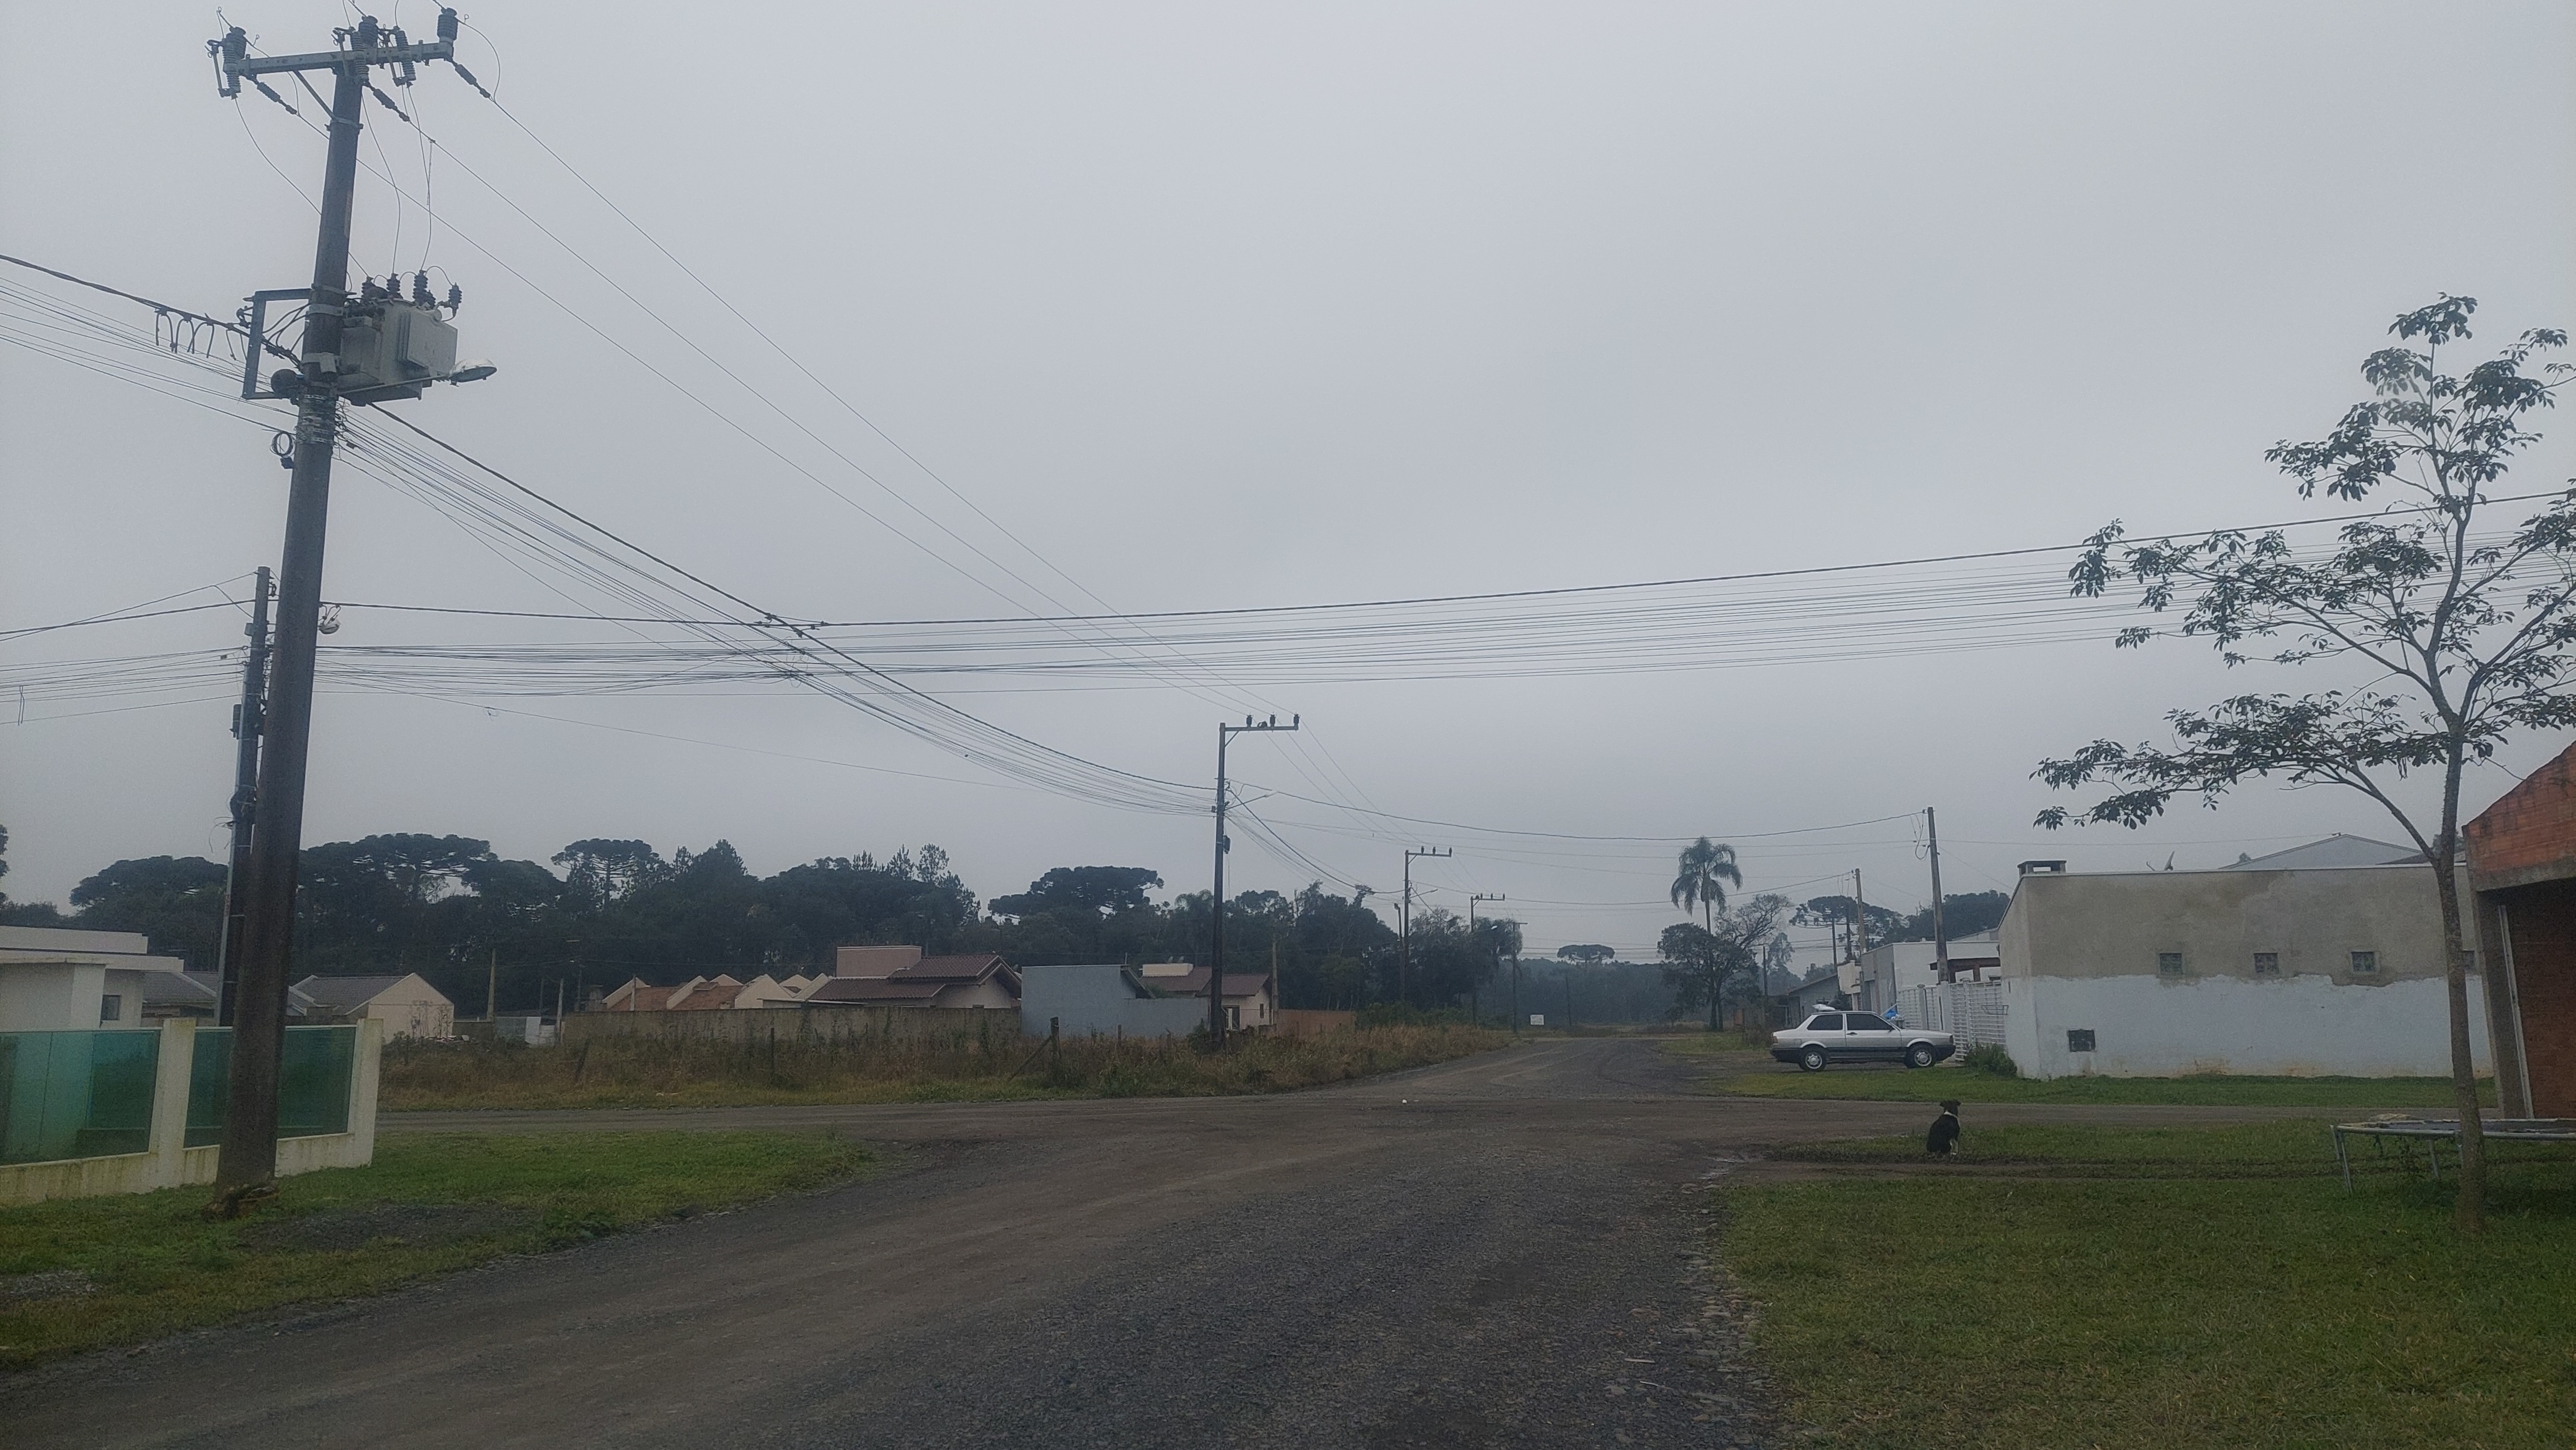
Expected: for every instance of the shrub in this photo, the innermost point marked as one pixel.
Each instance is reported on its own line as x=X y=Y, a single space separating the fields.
x=1990 y=1059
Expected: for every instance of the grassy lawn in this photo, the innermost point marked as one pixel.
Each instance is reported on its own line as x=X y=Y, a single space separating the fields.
x=83 y=1273
x=2182 y=1286
x=1737 y=1070
x=655 y=1072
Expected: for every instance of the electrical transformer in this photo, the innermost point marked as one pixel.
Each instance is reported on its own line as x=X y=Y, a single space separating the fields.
x=390 y=348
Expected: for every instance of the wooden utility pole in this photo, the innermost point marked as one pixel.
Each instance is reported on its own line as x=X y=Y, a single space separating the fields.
x=492 y=992
x=1216 y=896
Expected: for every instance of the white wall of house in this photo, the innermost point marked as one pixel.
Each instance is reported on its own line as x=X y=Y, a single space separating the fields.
x=2306 y=1026
x=50 y=996
x=412 y=1008
x=57 y=980
x=1888 y=974
x=2246 y=971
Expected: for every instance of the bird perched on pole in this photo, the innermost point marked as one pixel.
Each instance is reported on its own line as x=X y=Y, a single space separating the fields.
x=1944 y=1137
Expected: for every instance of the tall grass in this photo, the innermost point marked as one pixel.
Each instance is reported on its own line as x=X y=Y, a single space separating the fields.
x=650 y=1071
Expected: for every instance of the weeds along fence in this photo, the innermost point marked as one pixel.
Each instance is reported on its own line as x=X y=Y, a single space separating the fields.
x=759 y=1024
x=991 y=1056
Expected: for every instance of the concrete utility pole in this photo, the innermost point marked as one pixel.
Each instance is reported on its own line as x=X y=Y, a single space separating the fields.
x=1860 y=928
x=1940 y=939
x=245 y=801
x=1404 y=922
x=249 y=1153
x=1471 y=939
x=1216 y=898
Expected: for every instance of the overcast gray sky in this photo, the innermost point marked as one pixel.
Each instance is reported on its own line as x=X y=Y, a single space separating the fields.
x=1217 y=306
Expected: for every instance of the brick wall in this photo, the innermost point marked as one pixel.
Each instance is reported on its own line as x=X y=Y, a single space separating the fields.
x=2530 y=834
x=2543 y=920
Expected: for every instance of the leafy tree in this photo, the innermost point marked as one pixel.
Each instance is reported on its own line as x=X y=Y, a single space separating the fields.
x=23 y=913
x=1700 y=961
x=2462 y=631
x=1449 y=962
x=1776 y=959
x=177 y=901
x=1587 y=953
x=1962 y=914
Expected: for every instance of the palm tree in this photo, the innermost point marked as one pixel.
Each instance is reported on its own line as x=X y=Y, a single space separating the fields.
x=1707 y=869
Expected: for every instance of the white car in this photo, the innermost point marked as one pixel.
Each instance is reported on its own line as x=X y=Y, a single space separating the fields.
x=1827 y=1037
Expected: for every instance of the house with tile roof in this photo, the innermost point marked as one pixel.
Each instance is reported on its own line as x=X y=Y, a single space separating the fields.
x=1251 y=998
x=904 y=977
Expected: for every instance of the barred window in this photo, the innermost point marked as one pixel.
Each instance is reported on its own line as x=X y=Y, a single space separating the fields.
x=2169 y=963
x=2267 y=964
x=2364 y=963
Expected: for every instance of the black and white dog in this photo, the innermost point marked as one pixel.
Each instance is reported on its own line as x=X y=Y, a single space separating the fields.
x=1944 y=1137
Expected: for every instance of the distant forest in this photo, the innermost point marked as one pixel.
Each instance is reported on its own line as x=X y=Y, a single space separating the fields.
x=606 y=910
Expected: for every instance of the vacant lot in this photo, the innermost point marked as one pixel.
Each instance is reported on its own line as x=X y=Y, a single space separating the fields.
x=639 y=1072
x=2159 y=1287
x=82 y=1273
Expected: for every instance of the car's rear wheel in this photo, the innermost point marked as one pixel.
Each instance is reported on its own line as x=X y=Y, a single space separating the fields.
x=1919 y=1055
x=1813 y=1059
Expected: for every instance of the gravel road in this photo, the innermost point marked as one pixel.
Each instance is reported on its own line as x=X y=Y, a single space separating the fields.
x=1502 y=1251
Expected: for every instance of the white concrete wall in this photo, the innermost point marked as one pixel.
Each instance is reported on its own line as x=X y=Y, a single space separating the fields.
x=2147 y=1026
x=57 y=997
x=1087 y=1000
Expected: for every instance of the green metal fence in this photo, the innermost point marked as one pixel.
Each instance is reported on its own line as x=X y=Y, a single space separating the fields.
x=77 y=1094
x=312 y=1085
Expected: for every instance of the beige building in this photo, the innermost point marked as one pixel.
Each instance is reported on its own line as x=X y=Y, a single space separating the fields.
x=406 y=1005
x=768 y=991
x=52 y=980
x=1251 y=999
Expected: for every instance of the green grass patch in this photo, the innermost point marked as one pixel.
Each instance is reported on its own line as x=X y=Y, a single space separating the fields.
x=2222 y=1090
x=83 y=1273
x=663 y=1072
x=2171 y=1287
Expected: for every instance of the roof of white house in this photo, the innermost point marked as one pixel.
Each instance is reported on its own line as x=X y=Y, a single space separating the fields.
x=49 y=945
x=2335 y=850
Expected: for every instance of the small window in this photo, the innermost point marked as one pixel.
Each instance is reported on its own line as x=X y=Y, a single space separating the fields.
x=2267 y=964
x=2364 y=963
x=2169 y=963
x=111 y=1008
x=2079 y=1039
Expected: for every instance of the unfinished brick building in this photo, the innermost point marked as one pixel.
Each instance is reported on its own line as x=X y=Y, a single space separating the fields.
x=2522 y=865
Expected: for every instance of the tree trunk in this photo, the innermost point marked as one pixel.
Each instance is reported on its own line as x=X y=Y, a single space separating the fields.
x=2470 y=1216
